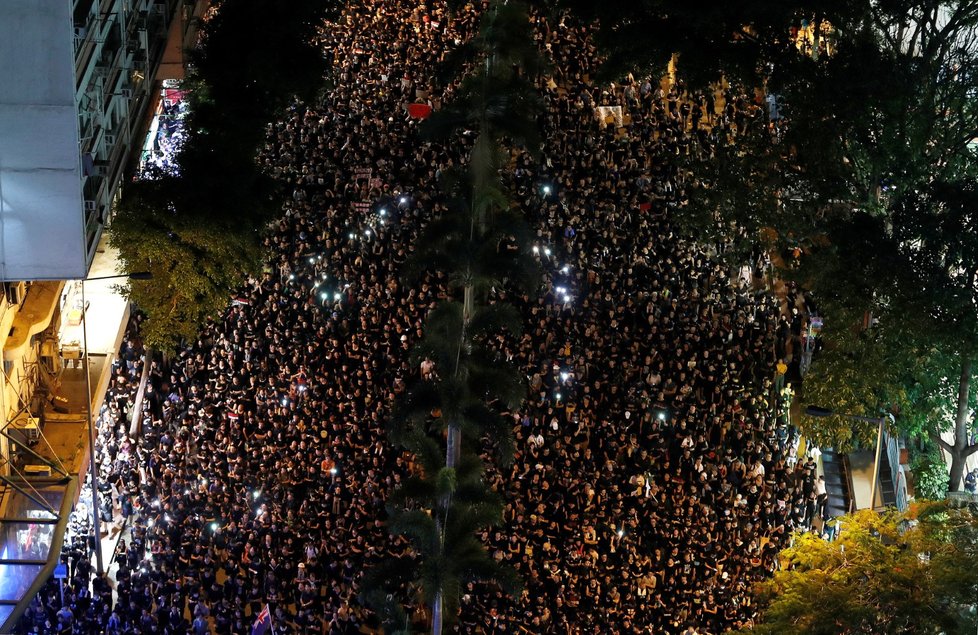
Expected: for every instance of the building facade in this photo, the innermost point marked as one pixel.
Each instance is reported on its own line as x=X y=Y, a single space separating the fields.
x=80 y=83
x=118 y=48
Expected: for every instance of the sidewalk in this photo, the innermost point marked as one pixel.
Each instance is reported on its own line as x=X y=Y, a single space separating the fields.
x=64 y=438
x=66 y=434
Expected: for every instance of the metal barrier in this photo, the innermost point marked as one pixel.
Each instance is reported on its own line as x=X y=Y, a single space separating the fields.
x=847 y=483
x=896 y=470
x=136 y=415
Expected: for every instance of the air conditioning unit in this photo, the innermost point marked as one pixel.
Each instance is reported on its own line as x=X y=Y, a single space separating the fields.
x=100 y=170
x=26 y=429
x=89 y=206
x=16 y=292
x=126 y=93
x=49 y=347
x=109 y=139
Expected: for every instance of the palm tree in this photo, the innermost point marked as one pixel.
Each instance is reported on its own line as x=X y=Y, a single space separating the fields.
x=442 y=511
x=498 y=102
x=438 y=419
x=453 y=412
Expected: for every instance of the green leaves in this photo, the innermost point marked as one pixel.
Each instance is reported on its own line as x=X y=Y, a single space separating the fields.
x=936 y=228
x=913 y=573
x=196 y=260
x=496 y=99
x=441 y=512
x=930 y=473
x=420 y=527
x=732 y=39
x=260 y=75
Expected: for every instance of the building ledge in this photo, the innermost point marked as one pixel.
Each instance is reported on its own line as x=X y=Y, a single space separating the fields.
x=33 y=317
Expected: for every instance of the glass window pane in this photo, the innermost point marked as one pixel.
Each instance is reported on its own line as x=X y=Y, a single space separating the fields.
x=15 y=580
x=25 y=541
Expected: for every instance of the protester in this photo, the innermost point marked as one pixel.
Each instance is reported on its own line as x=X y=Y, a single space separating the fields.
x=652 y=484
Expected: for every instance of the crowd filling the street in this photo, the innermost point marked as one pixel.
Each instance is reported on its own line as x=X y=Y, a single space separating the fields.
x=654 y=478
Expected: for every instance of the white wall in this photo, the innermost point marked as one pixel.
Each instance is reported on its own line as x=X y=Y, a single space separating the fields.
x=41 y=207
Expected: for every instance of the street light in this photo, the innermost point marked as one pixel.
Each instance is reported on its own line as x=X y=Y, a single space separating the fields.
x=817 y=411
x=93 y=471
x=139 y=275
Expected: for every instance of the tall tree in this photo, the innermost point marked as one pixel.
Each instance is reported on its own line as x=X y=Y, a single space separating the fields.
x=481 y=243
x=935 y=228
x=913 y=270
x=889 y=573
x=196 y=261
x=871 y=174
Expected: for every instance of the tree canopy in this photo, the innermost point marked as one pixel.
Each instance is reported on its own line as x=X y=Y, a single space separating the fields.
x=740 y=40
x=891 y=573
x=870 y=172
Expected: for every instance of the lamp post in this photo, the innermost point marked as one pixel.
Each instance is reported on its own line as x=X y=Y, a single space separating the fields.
x=816 y=411
x=93 y=470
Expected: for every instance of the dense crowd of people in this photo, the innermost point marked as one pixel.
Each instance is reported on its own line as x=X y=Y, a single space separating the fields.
x=653 y=482
x=168 y=135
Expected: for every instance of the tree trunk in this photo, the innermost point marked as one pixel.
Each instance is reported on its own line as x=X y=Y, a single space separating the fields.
x=436 y=614
x=957 y=470
x=453 y=450
x=960 y=450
